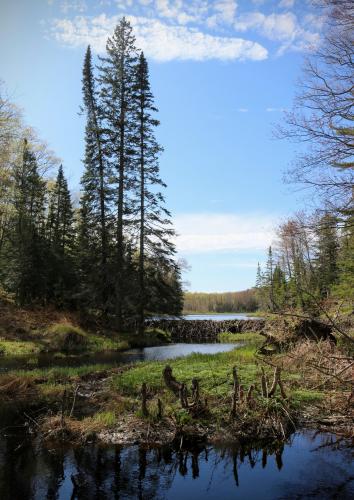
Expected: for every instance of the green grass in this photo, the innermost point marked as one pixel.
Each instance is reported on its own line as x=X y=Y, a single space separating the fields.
x=214 y=372
x=98 y=343
x=253 y=337
x=18 y=348
x=64 y=338
x=305 y=396
x=61 y=373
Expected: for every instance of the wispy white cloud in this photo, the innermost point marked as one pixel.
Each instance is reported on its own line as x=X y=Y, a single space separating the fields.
x=73 y=5
x=284 y=28
x=213 y=232
x=286 y=4
x=224 y=13
x=275 y=110
x=193 y=29
x=159 y=41
x=242 y=110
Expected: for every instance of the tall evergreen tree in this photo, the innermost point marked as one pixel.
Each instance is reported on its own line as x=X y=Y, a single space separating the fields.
x=96 y=196
x=327 y=254
x=60 y=215
x=116 y=77
x=345 y=287
x=153 y=219
x=27 y=253
x=61 y=238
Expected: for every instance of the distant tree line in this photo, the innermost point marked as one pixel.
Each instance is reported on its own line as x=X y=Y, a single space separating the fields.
x=313 y=259
x=227 y=302
x=112 y=256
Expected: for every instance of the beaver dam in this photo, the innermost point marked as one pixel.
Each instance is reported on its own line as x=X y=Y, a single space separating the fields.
x=205 y=330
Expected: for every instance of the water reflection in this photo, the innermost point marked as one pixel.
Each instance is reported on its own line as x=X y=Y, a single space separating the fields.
x=219 y=317
x=302 y=468
x=112 y=358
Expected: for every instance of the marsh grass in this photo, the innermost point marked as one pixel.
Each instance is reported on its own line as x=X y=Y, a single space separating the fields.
x=18 y=348
x=252 y=337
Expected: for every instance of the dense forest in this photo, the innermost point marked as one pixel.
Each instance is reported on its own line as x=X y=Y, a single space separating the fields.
x=227 y=302
x=111 y=256
x=311 y=265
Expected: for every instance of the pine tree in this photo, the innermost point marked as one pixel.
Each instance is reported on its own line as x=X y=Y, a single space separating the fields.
x=268 y=277
x=345 y=287
x=61 y=238
x=116 y=77
x=27 y=254
x=327 y=254
x=279 y=288
x=154 y=225
x=96 y=197
x=60 y=215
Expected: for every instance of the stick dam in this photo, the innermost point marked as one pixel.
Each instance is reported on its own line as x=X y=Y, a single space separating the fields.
x=205 y=330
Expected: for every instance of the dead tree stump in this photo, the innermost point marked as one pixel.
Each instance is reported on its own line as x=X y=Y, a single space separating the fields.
x=183 y=396
x=170 y=380
x=144 y=408
x=159 y=408
x=195 y=390
x=264 y=384
x=235 y=392
x=249 y=397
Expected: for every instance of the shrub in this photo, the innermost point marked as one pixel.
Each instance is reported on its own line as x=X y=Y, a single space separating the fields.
x=159 y=334
x=67 y=338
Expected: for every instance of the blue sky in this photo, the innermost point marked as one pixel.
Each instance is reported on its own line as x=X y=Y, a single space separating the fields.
x=222 y=73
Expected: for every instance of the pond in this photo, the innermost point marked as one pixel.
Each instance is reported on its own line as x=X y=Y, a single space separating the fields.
x=113 y=358
x=305 y=467
x=218 y=317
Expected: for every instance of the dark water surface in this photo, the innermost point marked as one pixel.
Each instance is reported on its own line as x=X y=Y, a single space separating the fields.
x=114 y=358
x=302 y=469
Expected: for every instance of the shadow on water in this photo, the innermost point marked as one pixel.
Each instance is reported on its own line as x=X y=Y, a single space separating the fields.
x=305 y=467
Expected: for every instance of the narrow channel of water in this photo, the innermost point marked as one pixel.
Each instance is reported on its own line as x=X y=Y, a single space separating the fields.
x=159 y=353
x=302 y=468
x=219 y=317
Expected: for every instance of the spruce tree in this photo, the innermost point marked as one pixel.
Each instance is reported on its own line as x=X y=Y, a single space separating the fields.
x=345 y=287
x=96 y=196
x=60 y=215
x=153 y=221
x=27 y=254
x=61 y=238
x=117 y=71
x=327 y=254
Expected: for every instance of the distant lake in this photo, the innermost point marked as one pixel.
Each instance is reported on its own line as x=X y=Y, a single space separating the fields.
x=217 y=317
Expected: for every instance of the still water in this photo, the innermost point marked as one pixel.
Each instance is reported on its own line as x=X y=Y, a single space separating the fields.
x=218 y=317
x=112 y=358
x=303 y=468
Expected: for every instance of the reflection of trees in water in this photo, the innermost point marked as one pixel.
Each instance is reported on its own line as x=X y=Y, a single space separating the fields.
x=92 y=471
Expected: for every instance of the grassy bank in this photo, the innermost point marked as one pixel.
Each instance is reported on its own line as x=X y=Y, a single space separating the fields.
x=30 y=332
x=106 y=402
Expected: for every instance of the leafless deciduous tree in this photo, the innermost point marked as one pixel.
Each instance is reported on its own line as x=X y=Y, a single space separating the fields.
x=323 y=112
